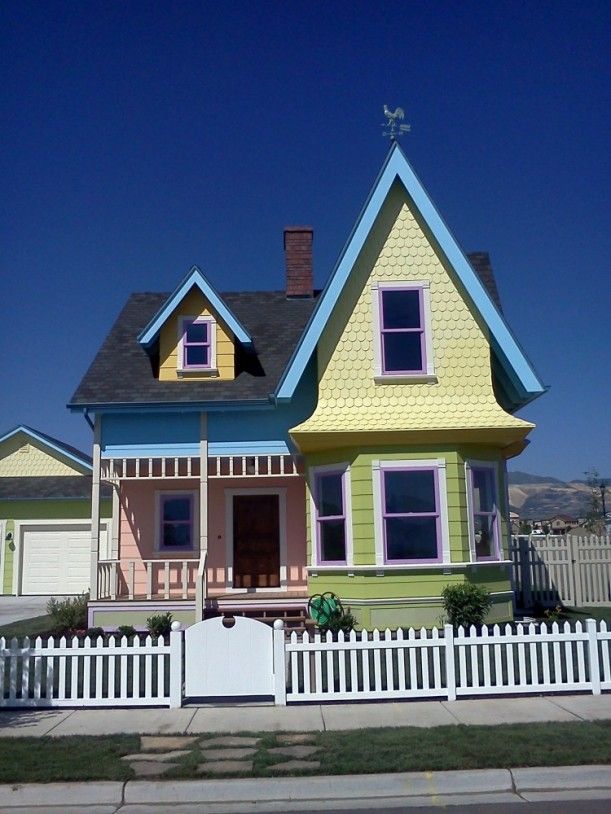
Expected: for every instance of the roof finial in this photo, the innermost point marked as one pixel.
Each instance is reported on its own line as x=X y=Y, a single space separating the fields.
x=394 y=128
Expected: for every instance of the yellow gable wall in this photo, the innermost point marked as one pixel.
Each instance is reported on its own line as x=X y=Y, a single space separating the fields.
x=398 y=250
x=194 y=305
x=20 y=458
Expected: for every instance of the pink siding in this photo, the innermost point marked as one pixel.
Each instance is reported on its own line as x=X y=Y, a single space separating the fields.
x=137 y=529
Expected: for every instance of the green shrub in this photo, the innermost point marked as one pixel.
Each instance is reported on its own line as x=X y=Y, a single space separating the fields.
x=94 y=632
x=466 y=604
x=68 y=615
x=339 y=619
x=127 y=630
x=160 y=624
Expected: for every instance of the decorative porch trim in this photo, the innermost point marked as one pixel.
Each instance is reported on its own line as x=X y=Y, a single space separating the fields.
x=173 y=467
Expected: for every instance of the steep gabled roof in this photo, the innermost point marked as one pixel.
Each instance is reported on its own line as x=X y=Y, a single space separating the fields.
x=195 y=278
x=519 y=380
x=50 y=487
x=54 y=444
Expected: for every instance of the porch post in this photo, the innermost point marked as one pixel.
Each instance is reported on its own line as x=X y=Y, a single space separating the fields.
x=200 y=587
x=95 y=511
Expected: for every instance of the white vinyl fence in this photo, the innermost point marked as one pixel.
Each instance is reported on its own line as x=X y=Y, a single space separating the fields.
x=91 y=672
x=440 y=663
x=425 y=664
x=573 y=571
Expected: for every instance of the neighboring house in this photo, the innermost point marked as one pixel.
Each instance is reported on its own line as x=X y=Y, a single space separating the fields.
x=514 y=522
x=267 y=446
x=45 y=515
x=561 y=523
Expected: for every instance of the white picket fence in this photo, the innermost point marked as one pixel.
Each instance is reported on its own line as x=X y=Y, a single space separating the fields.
x=573 y=571
x=113 y=671
x=425 y=664
x=440 y=663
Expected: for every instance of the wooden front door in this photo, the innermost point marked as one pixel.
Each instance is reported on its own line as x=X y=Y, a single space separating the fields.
x=256 y=541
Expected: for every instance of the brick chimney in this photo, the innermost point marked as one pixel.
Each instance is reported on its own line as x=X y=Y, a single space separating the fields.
x=298 y=258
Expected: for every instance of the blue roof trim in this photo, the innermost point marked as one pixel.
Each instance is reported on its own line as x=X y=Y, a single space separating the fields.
x=236 y=448
x=195 y=277
x=47 y=441
x=396 y=165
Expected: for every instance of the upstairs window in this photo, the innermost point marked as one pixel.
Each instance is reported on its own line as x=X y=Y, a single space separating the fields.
x=404 y=347
x=197 y=344
x=483 y=493
x=331 y=516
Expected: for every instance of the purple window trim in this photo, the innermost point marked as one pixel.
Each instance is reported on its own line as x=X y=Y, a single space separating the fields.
x=436 y=514
x=186 y=344
x=421 y=330
x=494 y=514
x=317 y=476
x=172 y=496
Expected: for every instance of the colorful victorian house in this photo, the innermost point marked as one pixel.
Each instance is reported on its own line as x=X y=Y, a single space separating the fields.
x=267 y=446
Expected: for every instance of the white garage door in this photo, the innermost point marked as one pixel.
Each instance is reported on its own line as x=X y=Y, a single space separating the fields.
x=56 y=559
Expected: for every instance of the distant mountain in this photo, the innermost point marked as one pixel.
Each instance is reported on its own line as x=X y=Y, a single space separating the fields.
x=524 y=477
x=537 y=497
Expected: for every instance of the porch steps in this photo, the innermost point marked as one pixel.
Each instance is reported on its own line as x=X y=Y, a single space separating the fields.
x=295 y=619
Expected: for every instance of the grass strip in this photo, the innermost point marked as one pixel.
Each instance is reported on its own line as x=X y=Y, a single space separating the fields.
x=365 y=751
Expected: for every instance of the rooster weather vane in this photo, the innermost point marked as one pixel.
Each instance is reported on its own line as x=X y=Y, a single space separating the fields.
x=394 y=129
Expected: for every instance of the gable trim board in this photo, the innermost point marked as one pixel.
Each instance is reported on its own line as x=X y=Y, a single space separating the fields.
x=520 y=373
x=196 y=278
x=56 y=447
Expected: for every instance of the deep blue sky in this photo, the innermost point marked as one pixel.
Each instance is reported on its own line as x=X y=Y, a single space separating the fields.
x=142 y=137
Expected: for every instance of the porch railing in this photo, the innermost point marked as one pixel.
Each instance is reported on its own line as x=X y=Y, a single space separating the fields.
x=162 y=579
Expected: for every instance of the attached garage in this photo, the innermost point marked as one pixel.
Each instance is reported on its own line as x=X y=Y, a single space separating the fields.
x=56 y=559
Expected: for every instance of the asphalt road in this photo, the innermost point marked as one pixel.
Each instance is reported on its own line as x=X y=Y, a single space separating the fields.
x=16 y=608
x=547 y=807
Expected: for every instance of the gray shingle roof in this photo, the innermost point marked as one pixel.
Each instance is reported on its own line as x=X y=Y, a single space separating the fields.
x=123 y=373
x=57 y=487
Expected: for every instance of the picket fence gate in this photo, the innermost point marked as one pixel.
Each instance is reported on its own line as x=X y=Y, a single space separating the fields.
x=440 y=663
x=556 y=569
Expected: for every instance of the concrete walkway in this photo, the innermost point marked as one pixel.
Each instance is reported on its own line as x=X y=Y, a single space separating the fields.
x=349 y=792
x=306 y=718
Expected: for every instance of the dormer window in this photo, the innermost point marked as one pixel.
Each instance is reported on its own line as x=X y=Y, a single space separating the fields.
x=403 y=332
x=197 y=344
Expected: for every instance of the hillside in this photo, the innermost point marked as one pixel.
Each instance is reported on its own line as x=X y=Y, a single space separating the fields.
x=539 y=497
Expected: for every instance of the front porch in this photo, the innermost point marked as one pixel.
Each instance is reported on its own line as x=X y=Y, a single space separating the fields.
x=226 y=537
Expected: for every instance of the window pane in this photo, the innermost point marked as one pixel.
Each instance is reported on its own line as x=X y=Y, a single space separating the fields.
x=332 y=541
x=402 y=352
x=484 y=535
x=197 y=332
x=409 y=492
x=176 y=508
x=483 y=490
x=177 y=534
x=196 y=355
x=330 y=496
x=401 y=309
x=411 y=538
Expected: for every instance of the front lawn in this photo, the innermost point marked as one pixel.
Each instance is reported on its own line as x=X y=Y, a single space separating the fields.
x=368 y=751
x=37 y=626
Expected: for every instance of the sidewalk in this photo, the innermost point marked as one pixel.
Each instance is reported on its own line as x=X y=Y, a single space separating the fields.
x=306 y=718
x=350 y=792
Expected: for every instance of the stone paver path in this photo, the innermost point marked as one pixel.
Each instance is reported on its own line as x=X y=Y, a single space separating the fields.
x=298 y=751
x=291 y=765
x=158 y=754
x=228 y=754
x=226 y=766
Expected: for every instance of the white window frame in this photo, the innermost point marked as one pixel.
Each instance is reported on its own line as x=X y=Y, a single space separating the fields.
x=166 y=553
x=378 y=469
x=344 y=468
x=378 y=372
x=492 y=465
x=212 y=369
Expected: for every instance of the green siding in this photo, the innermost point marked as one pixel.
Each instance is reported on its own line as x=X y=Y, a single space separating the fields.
x=414 y=594
x=21 y=511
